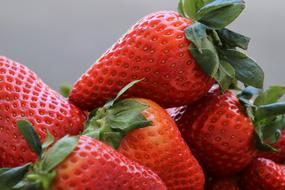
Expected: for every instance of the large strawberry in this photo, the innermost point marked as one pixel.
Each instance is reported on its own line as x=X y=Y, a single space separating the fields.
x=24 y=96
x=144 y=132
x=225 y=132
x=264 y=174
x=180 y=57
x=77 y=163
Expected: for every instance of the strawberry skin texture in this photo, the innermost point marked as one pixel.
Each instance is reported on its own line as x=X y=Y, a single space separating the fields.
x=223 y=184
x=161 y=148
x=219 y=134
x=94 y=165
x=155 y=49
x=24 y=96
x=278 y=157
x=264 y=174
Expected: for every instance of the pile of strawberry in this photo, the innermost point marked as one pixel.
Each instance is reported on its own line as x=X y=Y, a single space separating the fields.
x=221 y=131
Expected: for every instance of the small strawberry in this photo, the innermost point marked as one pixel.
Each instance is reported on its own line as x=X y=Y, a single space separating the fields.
x=180 y=57
x=77 y=163
x=144 y=132
x=225 y=132
x=264 y=174
x=24 y=96
x=223 y=184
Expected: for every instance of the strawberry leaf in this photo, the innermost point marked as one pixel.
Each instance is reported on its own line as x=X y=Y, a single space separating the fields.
x=58 y=152
x=189 y=8
x=65 y=90
x=112 y=124
x=232 y=39
x=273 y=94
x=48 y=141
x=10 y=177
x=121 y=92
x=31 y=136
x=247 y=71
x=220 y=13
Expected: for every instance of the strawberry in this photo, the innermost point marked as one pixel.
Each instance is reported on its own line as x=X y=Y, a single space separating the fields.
x=78 y=163
x=225 y=132
x=264 y=174
x=24 y=96
x=279 y=156
x=144 y=132
x=223 y=184
x=178 y=66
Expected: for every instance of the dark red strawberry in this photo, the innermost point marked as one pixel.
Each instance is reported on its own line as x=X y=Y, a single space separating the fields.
x=79 y=163
x=264 y=174
x=225 y=135
x=223 y=184
x=144 y=132
x=24 y=96
x=157 y=49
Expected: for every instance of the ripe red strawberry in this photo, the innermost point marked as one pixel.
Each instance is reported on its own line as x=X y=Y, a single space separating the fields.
x=24 y=96
x=223 y=184
x=84 y=163
x=157 y=49
x=279 y=156
x=264 y=174
x=220 y=131
x=144 y=132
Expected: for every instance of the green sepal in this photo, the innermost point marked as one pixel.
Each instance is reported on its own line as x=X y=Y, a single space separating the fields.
x=10 y=177
x=65 y=90
x=30 y=135
x=58 y=152
x=189 y=8
x=121 y=92
x=268 y=133
x=2 y=170
x=246 y=69
x=112 y=124
x=220 y=13
x=202 y=49
x=41 y=173
x=48 y=140
x=273 y=94
x=267 y=115
x=231 y=39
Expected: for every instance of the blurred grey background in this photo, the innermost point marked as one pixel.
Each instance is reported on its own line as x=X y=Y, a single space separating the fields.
x=60 y=39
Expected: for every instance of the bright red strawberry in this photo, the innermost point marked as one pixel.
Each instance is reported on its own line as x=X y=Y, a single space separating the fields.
x=94 y=165
x=144 y=132
x=220 y=131
x=279 y=156
x=223 y=184
x=157 y=49
x=81 y=163
x=264 y=174
x=24 y=96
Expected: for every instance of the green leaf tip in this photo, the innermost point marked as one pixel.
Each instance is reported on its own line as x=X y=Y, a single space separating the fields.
x=112 y=124
x=30 y=135
x=121 y=92
x=65 y=90
x=266 y=113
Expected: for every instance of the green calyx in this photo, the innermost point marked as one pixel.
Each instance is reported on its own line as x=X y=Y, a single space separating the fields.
x=39 y=175
x=217 y=50
x=266 y=113
x=117 y=118
x=65 y=90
